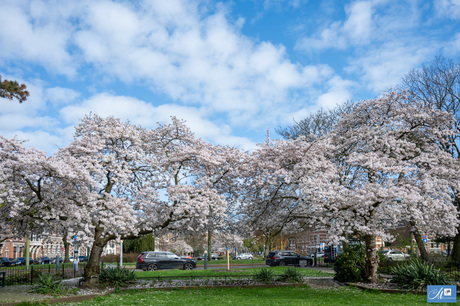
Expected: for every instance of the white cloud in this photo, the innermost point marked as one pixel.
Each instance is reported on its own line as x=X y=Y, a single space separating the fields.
x=35 y=33
x=358 y=25
x=61 y=96
x=147 y=115
x=383 y=68
x=43 y=140
x=448 y=8
x=357 y=29
x=339 y=92
x=194 y=59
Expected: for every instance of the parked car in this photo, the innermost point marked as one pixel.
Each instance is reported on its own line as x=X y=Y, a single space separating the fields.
x=244 y=256
x=214 y=256
x=318 y=255
x=4 y=262
x=155 y=260
x=83 y=258
x=53 y=260
x=45 y=260
x=394 y=255
x=21 y=261
x=287 y=258
x=187 y=257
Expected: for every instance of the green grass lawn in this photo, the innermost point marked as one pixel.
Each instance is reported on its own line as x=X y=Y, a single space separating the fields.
x=224 y=272
x=289 y=295
x=257 y=260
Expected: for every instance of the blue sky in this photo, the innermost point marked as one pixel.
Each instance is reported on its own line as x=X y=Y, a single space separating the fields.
x=231 y=69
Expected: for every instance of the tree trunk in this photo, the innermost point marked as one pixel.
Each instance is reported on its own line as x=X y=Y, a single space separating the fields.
x=419 y=241
x=66 y=247
x=209 y=244
x=372 y=259
x=93 y=269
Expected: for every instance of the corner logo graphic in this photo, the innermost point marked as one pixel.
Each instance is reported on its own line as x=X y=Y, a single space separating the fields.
x=441 y=294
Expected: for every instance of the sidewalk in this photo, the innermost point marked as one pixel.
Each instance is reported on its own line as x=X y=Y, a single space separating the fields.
x=21 y=293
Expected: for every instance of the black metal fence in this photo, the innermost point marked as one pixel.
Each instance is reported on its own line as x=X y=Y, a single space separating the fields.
x=19 y=275
x=453 y=270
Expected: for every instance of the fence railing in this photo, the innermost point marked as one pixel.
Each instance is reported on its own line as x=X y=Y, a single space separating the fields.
x=19 y=275
x=453 y=270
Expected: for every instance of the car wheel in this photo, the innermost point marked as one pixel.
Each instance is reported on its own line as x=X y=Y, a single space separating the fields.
x=188 y=266
x=152 y=267
x=282 y=264
x=238 y=258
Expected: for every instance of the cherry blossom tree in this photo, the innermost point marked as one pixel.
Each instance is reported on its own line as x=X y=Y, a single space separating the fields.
x=114 y=181
x=181 y=247
x=389 y=169
x=195 y=177
x=225 y=240
x=31 y=188
x=438 y=85
x=143 y=180
x=272 y=201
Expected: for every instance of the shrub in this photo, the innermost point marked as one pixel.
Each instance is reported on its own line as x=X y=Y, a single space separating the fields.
x=48 y=284
x=350 y=265
x=117 y=277
x=110 y=258
x=127 y=257
x=36 y=274
x=21 y=278
x=386 y=265
x=418 y=274
x=291 y=275
x=265 y=275
x=130 y=257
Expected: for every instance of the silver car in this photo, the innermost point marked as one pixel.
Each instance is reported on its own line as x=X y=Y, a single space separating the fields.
x=244 y=256
x=394 y=255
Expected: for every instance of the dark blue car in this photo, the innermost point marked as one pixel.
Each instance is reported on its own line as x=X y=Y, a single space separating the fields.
x=21 y=261
x=163 y=260
x=4 y=262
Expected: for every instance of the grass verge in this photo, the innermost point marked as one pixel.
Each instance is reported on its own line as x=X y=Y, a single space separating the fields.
x=288 y=295
x=224 y=272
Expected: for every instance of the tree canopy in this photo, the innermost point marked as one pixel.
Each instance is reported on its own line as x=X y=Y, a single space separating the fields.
x=12 y=90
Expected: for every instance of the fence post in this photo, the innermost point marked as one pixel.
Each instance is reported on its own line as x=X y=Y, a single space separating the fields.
x=63 y=270
x=31 y=274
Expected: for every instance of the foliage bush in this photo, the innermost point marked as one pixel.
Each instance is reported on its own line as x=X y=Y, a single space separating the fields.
x=418 y=274
x=291 y=275
x=350 y=265
x=48 y=284
x=386 y=265
x=117 y=277
x=20 y=278
x=264 y=275
x=36 y=274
